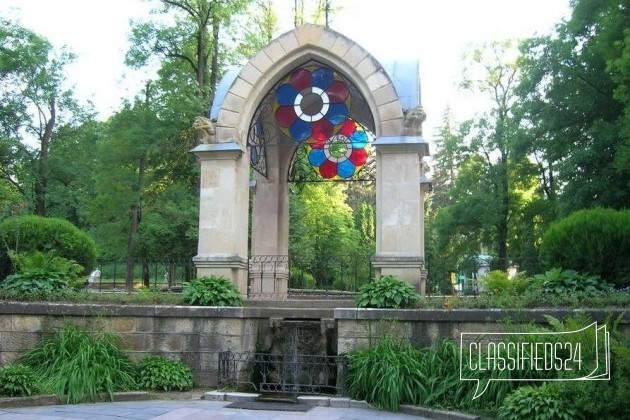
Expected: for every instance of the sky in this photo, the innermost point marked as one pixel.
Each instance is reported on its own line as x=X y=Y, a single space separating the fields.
x=436 y=32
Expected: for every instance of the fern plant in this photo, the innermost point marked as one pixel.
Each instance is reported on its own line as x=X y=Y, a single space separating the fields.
x=40 y=273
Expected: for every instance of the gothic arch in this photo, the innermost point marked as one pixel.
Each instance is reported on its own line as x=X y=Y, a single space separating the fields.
x=305 y=43
x=225 y=182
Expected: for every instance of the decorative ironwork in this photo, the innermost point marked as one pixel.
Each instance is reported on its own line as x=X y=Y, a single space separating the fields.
x=335 y=277
x=257 y=139
x=302 y=170
x=283 y=373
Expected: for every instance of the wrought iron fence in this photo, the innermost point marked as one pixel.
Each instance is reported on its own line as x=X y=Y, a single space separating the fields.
x=156 y=273
x=283 y=373
x=338 y=276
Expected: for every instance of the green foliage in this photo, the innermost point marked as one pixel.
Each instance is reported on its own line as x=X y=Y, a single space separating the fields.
x=40 y=274
x=543 y=402
x=593 y=241
x=17 y=380
x=496 y=282
x=387 y=292
x=385 y=375
x=160 y=373
x=27 y=234
x=301 y=279
x=211 y=291
x=568 y=282
x=612 y=395
x=78 y=366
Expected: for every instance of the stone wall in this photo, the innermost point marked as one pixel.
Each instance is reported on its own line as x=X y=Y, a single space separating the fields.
x=357 y=328
x=196 y=335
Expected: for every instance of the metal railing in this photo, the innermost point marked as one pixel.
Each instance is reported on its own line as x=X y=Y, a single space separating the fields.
x=283 y=373
x=338 y=276
x=162 y=274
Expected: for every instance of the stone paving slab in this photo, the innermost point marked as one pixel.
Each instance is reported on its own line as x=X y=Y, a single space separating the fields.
x=186 y=410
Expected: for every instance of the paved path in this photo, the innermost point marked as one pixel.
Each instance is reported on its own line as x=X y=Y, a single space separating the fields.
x=189 y=410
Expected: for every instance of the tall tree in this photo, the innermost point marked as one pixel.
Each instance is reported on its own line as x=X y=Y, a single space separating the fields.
x=194 y=39
x=575 y=106
x=493 y=72
x=34 y=101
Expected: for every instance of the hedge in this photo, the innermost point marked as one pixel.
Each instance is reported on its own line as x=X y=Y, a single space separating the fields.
x=35 y=233
x=595 y=241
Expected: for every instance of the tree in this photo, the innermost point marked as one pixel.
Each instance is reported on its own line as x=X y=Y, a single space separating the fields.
x=493 y=72
x=574 y=105
x=193 y=39
x=34 y=102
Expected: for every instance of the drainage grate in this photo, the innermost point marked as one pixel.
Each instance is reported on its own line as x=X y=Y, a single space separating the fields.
x=270 y=406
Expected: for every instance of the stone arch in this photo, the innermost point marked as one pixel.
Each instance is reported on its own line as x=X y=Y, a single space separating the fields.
x=305 y=43
x=225 y=182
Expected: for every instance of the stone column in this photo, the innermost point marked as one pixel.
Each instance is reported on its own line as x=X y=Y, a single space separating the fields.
x=400 y=209
x=223 y=208
x=269 y=268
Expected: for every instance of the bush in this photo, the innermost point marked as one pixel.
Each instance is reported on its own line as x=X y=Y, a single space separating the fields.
x=211 y=291
x=568 y=282
x=545 y=402
x=27 y=234
x=387 y=292
x=593 y=241
x=160 y=373
x=40 y=274
x=17 y=380
x=385 y=375
x=78 y=366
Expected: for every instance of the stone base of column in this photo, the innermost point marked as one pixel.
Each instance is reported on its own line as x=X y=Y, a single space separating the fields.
x=408 y=268
x=268 y=286
x=231 y=267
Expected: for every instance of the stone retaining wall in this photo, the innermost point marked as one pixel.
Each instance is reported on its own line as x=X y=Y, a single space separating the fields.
x=357 y=328
x=196 y=335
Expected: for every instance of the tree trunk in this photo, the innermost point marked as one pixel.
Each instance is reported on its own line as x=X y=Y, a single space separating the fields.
x=41 y=186
x=134 y=223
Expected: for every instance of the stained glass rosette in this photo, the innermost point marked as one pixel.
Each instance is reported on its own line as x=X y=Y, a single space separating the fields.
x=311 y=103
x=342 y=155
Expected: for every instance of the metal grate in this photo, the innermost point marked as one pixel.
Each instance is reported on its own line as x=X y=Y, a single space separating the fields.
x=283 y=373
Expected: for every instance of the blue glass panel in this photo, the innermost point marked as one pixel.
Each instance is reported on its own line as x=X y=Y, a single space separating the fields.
x=285 y=95
x=323 y=78
x=359 y=139
x=337 y=113
x=300 y=130
x=345 y=169
x=316 y=157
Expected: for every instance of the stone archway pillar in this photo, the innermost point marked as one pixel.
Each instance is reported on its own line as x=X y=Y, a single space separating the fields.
x=400 y=209
x=223 y=208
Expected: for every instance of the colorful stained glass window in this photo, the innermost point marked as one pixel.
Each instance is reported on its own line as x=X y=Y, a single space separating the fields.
x=311 y=103
x=342 y=155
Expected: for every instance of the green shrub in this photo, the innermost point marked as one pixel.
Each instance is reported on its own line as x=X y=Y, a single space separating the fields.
x=387 y=292
x=162 y=374
x=301 y=279
x=17 y=380
x=568 y=282
x=78 y=366
x=40 y=274
x=593 y=241
x=545 y=402
x=385 y=375
x=211 y=291
x=496 y=282
x=27 y=234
